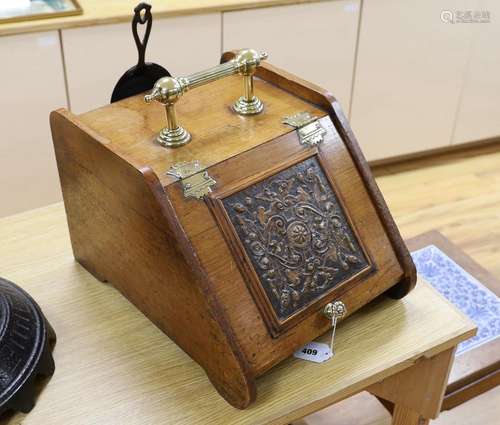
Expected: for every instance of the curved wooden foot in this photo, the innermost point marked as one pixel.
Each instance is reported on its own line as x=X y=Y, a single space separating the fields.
x=239 y=391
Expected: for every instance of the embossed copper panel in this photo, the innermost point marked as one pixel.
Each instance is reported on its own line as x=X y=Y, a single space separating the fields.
x=296 y=235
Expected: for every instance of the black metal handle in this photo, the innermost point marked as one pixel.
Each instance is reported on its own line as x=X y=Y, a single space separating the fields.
x=142 y=15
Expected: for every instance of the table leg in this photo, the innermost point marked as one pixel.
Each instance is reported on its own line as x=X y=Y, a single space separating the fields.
x=416 y=392
x=405 y=416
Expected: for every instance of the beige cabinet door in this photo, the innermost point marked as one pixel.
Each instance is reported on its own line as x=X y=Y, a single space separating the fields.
x=478 y=115
x=32 y=85
x=315 y=41
x=96 y=57
x=408 y=76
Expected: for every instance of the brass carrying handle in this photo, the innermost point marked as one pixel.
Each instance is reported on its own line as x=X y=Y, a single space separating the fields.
x=168 y=90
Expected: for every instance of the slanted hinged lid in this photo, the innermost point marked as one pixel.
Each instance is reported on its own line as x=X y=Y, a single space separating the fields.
x=290 y=226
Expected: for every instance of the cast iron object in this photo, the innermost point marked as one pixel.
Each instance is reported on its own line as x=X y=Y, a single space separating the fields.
x=143 y=76
x=26 y=339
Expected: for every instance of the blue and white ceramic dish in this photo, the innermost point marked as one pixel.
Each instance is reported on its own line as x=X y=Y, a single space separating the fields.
x=464 y=291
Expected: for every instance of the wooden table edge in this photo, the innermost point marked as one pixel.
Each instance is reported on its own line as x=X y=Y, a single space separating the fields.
x=467 y=330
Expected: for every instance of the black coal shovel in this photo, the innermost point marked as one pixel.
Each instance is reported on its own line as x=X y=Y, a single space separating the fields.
x=143 y=76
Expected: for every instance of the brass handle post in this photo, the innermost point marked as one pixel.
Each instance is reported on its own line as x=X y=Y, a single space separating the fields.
x=168 y=90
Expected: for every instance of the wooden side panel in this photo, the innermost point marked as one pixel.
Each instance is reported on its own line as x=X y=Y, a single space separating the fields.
x=122 y=230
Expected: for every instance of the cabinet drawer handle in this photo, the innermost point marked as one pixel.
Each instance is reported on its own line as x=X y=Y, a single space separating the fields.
x=168 y=90
x=334 y=311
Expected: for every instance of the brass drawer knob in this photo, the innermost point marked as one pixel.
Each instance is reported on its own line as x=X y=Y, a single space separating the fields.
x=337 y=309
x=334 y=311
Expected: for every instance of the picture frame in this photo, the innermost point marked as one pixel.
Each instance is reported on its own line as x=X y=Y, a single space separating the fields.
x=12 y=11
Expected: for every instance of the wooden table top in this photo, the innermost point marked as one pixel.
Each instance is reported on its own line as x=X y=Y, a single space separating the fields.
x=98 y=12
x=113 y=366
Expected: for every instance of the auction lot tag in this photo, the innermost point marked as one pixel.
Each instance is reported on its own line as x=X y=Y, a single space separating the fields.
x=316 y=352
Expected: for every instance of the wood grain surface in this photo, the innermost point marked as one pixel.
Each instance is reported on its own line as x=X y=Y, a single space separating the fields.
x=130 y=126
x=456 y=193
x=113 y=366
x=420 y=389
x=405 y=416
x=121 y=227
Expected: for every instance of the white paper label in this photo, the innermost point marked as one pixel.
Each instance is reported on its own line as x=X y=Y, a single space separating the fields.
x=314 y=352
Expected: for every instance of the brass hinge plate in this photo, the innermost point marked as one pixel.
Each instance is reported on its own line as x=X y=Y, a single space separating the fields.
x=310 y=131
x=195 y=180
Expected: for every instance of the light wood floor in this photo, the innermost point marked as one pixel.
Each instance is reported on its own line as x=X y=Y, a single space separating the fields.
x=459 y=195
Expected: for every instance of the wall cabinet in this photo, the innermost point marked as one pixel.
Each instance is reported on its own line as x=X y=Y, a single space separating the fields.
x=315 y=41
x=96 y=57
x=32 y=85
x=408 y=76
x=409 y=81
x=478 y=113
